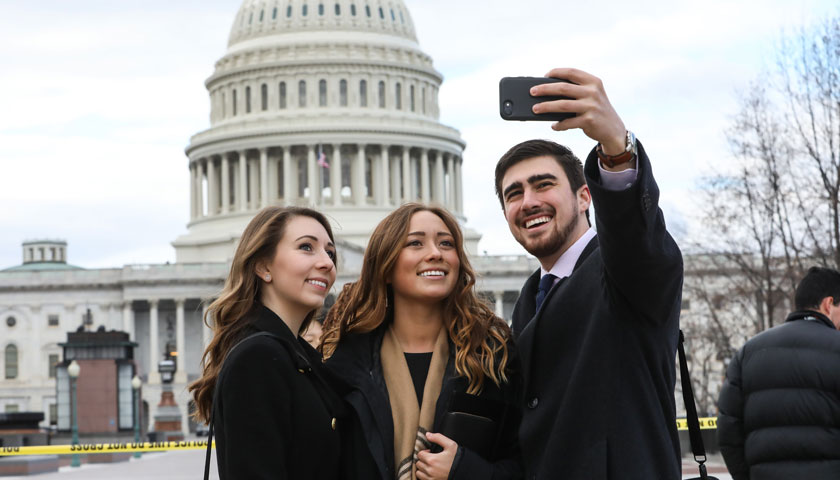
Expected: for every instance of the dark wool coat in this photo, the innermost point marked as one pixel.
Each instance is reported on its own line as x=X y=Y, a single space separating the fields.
x=780 y=405
x=599 y=356
x=368 y=445
x=274 y=415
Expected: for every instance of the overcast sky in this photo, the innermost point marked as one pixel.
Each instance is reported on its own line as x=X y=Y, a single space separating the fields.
x=99 y=98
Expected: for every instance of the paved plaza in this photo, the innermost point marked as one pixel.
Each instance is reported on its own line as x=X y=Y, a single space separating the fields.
x=189 y=464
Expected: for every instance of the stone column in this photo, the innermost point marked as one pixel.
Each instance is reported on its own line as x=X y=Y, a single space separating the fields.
x=154 y=342
x=253 y=183
x=242 y=197
x=459 y=188
x=128 y=320
x=180 y=342
x=450 y=191
x=500 y=304
x=335 y=175
x=225 y=184
x=396 y=180
x=263 y=177
x=406 y=175
x=440 y=196
x=312 y=176
x=382 y=191
x=359 y=194
x=424 y=175
x=273 y=187
x=212 y=193
x=193 y=202
x=289 y=173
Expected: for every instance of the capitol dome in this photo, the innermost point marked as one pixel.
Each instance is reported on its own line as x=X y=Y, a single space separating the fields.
x=329 y=104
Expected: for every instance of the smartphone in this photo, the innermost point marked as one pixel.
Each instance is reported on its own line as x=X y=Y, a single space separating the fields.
x=516 y=102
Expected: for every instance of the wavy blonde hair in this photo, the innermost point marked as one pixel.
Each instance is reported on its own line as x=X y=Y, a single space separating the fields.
x=480 y=338
x=227 y=315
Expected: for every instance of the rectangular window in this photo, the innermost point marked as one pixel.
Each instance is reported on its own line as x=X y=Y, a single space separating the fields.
x=52 y=362
x=322 y=93
x=62 y=394
x=11 y=408
x=381 y=94
x=342 y=93
x=398 y=96
x=53 y=414
x=412 y=98
x=52 y=320
x=302 y=93
x=282 y=94
x=363 y=93
x=247 y=99
x=264 y=97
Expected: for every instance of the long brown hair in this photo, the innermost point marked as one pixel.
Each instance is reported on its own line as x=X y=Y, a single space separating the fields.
x=227 y=314
x=480 y=338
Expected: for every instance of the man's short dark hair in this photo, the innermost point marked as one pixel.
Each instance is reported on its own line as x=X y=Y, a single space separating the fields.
x=572 y=166
x=818 y=283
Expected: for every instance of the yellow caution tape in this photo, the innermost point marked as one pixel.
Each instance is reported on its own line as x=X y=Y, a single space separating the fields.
x=104 y=448
x=706 y=423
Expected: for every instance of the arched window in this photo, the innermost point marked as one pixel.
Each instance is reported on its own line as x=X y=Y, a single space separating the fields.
x=337 y=9
x=247 y=99
x=282 y=92
x=353 y=9
x=423 y=99
x=302 y=93
x=342 y=93
x=264 y=97
x=381 y=94
x=250 y=18
x=381 y=13
x=411 y=93
x=234 y=102
x=398 y=95
x=11 y=362
x=363 y=93
x=367 y=9
x=274 y=14
x=288 y=11
x=322 y=93
x=305 y=9
x=321 y=9
x=262 y=14
x=393 y=18
x=402 y=19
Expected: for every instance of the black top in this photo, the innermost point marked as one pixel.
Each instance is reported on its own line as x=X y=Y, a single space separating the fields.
x=418 y=366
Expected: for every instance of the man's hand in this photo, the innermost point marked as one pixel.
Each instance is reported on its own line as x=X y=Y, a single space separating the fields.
x=595 y=115
x=436 y=466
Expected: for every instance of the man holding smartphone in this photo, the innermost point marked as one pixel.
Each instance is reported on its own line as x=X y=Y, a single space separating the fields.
x=597 y=324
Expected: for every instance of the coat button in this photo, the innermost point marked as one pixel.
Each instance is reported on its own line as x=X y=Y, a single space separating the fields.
x=533 y=402
x=301 y=370
x=332 y=424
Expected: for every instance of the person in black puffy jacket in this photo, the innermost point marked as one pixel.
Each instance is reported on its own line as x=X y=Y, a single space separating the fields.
x=780 y=405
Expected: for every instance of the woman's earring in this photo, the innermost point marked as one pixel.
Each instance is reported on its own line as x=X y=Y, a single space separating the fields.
x=267 y=277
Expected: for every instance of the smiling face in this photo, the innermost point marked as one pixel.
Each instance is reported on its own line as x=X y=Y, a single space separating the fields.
x=543 y=213
x=428 y=265
x=301 y=271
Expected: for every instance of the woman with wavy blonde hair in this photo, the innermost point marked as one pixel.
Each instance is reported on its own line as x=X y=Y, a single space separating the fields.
x=261 y=387
x=429 y=371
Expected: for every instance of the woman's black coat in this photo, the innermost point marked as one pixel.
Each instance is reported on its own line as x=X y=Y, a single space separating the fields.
x=369 y=434
x=274 y=414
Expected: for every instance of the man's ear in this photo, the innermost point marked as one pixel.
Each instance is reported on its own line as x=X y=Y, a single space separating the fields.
x=584 y=198
x=826 y=304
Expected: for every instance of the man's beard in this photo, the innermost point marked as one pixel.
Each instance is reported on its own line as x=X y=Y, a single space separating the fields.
x=555 y=241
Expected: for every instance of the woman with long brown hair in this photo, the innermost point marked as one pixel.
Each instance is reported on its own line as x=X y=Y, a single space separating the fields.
x=430 y=372
x=261 y=387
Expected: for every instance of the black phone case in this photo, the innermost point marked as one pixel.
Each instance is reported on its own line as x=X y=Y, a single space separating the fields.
x=516 y=102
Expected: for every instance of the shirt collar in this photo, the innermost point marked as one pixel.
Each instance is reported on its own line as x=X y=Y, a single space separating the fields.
x=564 y=265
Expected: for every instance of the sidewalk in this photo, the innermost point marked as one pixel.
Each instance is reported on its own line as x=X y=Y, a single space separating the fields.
x=714 y=467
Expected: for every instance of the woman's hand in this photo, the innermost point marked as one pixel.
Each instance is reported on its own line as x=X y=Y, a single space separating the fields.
x=436 y=466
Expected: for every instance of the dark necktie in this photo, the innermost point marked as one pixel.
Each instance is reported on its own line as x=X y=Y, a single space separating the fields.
x=546 y=282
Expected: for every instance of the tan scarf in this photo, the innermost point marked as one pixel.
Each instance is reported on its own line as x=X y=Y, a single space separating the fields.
x=410 y=422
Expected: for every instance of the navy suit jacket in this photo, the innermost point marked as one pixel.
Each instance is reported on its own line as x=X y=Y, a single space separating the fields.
x=599 y=356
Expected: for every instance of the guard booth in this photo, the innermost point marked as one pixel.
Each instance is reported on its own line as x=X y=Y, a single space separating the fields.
x=105 y=401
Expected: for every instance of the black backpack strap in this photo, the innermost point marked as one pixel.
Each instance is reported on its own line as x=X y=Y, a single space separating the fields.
x=694 y=436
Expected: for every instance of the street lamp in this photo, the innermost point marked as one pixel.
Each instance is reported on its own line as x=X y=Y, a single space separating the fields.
x=73 y=371
x=135 y=385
